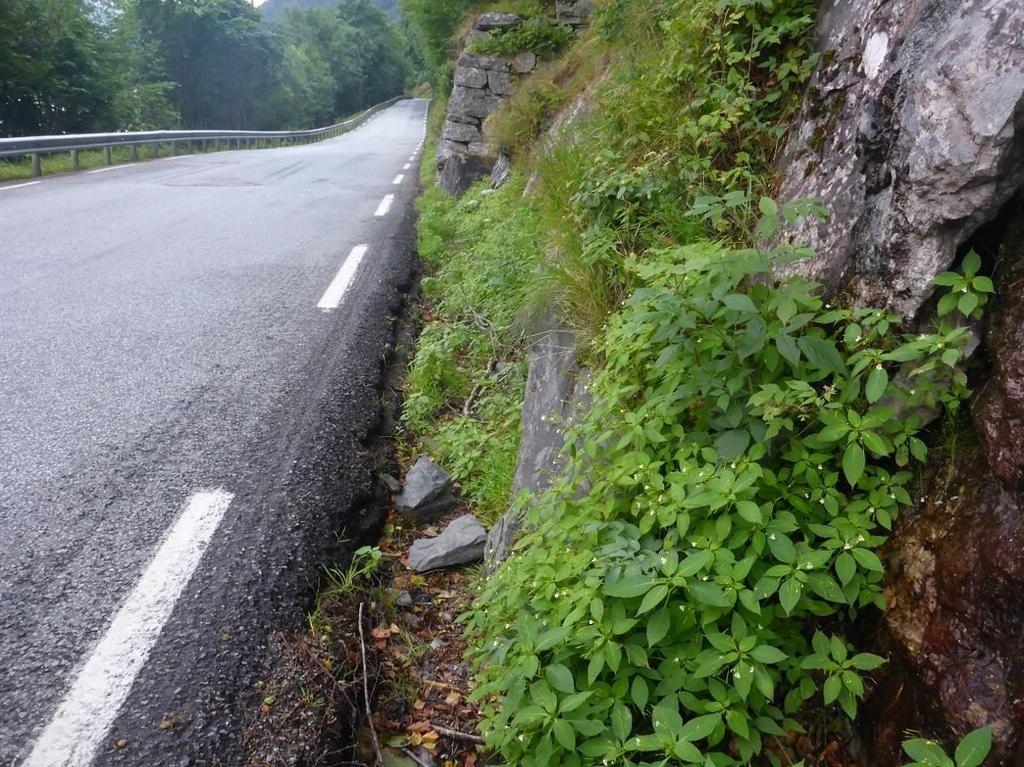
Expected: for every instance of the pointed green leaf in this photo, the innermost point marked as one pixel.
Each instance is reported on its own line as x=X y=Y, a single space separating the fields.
x=878 y=381
x=560 y=677
x=974 y=748
x=565 y=735
x=853 y=463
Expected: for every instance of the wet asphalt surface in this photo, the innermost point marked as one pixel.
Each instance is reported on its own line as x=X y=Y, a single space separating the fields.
x=159 y=336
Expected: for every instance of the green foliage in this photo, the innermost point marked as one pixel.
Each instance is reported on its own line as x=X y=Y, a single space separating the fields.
x=748 y=448
x=54 y=76
x=464 y=389
x=365 y=562
x=541 y=35
x=433 y=23
x=519 y=119
x=971 y=751
x=73 y=66
x=968 y=292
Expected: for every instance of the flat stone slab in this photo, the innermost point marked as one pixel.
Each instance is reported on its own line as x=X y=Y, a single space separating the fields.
x=461 y=543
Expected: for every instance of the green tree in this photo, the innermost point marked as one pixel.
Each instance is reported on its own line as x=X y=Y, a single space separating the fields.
x=52 y=75
x=433 y=23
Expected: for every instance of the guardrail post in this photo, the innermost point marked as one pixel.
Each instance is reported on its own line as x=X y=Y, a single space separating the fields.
x=74 y=159
x=106 y=155
x=37 y=165
x=133 y=153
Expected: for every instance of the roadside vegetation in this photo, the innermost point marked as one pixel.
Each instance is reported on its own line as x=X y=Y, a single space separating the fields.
x=464 y=391
x=685 y=595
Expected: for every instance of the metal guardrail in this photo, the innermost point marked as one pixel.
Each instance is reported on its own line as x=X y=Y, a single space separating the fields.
x=36 y=146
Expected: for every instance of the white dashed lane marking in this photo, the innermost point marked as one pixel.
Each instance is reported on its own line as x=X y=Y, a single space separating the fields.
x=19 y=186
x=385 y=205
x=112 y=167
x=343 y=279
x=84 y=716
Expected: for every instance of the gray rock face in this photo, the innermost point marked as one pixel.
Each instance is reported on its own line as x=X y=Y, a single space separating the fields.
x=481 y=83
x=502 y=172
x=524 y=63
x=488 y=22
x=459 y=170
x=426 y=494
x=471 y=77
x=913 y=135
x=461 y=543
x=475 y=103
x=499 y=83
x=461 y=132
x=555 y=389
x=575 y=13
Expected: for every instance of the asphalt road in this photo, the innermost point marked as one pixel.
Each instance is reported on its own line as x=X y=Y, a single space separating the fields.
x=183 y=418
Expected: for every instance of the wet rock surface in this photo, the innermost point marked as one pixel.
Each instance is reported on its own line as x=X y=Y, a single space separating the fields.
x=955 y=622
x=912 y=136
x=461 y=543
x=953 y=630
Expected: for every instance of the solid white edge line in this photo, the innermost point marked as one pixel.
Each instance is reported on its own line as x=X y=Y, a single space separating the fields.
x=19 y=186
x=112 y=167
x=343 y=279
x=399 y=179
x=86 y=712
x=385 y=205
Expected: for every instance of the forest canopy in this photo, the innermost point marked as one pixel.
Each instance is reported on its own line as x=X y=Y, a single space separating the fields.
x=71 y=66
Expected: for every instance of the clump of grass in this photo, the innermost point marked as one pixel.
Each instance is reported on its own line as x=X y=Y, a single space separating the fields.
x=520 y=119
x=465 y=384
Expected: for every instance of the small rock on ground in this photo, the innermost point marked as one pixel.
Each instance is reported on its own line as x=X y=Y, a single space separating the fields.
x=426 y=492
x=461 y=543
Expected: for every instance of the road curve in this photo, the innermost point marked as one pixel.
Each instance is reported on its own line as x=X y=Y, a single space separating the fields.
x=190 y=350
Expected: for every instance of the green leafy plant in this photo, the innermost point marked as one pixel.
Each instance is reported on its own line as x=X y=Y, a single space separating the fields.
x=746 y=453
x=541 y=35
x=970 y=752
x=464 y=388
x=365 y=562
x=968 y=292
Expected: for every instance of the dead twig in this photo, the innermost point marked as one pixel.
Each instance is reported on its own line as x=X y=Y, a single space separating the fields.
x=465 y=737
x=415 y=758
x=366 y=689
x=467 y=409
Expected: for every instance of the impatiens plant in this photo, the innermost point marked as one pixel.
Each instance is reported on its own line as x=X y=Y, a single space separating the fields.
x=747 y=450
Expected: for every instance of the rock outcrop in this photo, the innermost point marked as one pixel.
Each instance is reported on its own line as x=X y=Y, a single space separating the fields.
x=575 y=13
x=956 y=568
x=555 y=387
x=481 y=83
x=912 y=134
